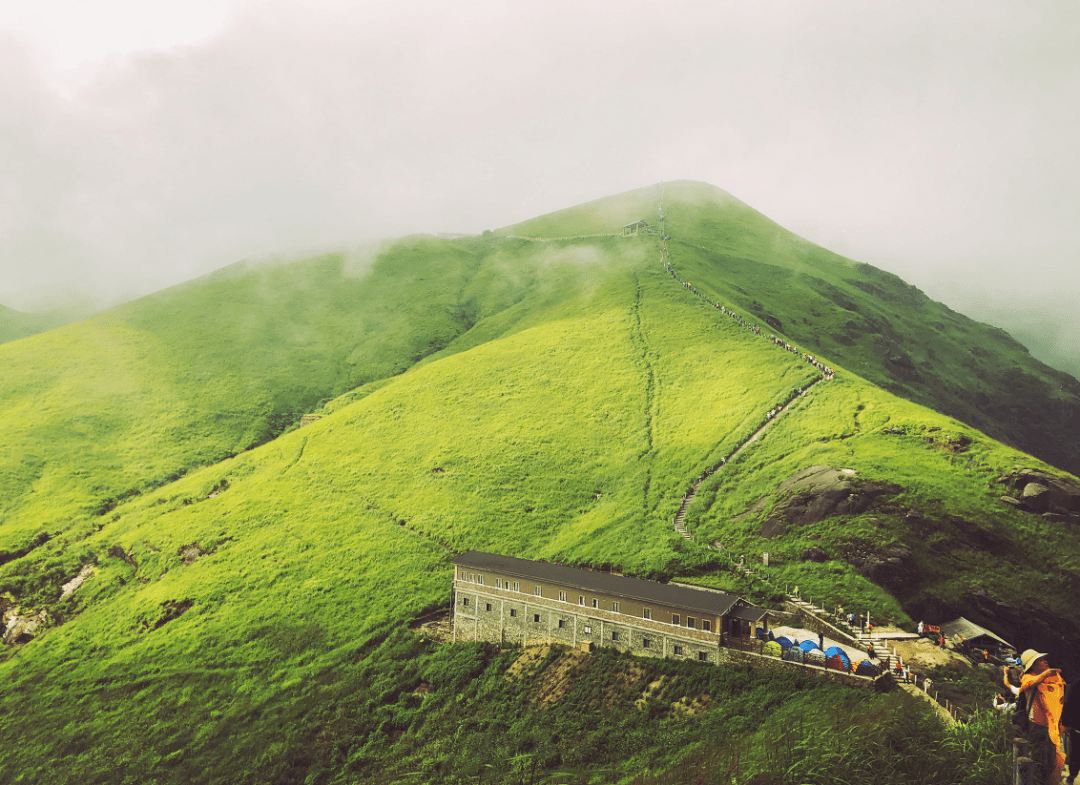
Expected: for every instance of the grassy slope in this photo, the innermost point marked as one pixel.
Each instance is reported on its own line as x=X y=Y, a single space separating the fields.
x=125 y=401
x=873 y=323
x=15 y=324
x=600 y=216
x=324 y=537
x=564 y=424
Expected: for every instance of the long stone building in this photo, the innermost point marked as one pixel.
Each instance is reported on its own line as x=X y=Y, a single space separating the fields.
x=516 y=601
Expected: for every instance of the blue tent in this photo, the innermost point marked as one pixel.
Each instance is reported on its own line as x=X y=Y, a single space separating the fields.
x=866 y=668
x=786 y=642
x=834 y=650
x=808 y=645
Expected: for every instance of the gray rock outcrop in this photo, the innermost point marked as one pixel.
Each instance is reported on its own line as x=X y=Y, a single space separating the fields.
x=820 y=492
x=1042 y=493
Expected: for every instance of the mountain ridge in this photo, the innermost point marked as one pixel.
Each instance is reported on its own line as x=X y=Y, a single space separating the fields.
x=548 y=400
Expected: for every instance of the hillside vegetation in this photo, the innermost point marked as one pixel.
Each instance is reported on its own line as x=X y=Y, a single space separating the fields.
x=249 y=582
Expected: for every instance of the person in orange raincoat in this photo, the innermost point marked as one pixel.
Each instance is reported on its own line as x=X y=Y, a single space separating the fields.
x=1044 y=689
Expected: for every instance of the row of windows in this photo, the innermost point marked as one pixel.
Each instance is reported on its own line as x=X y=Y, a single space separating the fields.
x=616 y=635
x=646 y=613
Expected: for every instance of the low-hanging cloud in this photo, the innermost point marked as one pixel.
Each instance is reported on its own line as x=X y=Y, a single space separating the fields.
x=934 y=141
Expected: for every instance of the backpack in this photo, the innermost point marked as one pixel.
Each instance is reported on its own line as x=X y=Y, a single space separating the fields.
x=1021 y=712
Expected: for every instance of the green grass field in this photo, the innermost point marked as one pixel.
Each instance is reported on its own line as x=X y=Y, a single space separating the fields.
x=545 y=400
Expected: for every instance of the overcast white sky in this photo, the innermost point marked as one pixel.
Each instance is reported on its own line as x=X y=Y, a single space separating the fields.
x=144 y=143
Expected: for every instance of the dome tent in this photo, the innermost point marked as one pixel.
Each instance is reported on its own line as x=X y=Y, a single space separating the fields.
x=838 y=661
x=866 y=668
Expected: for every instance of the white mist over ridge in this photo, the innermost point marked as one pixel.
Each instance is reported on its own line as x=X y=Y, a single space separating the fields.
x=933 y=142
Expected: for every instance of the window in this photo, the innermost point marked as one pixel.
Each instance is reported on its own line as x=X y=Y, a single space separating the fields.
x=595 y=603
x=702 y=656
x=678 y=649
x=487 y=606
x=690 y=622
x=562 y=624
x=646 y=613
x=465 y=601
x=513 y=612
x=580 y=600
x=517 y=586
x=646 y=643
x=498 y=583
x=472 y=578
x=675 y=619
x=614 y=635
x=536 y=591
x=464 y=575
x=536 y=618
x=706 y=625
x=480 y=580
x=588 y=630
x=615 y=607
x=562 y=596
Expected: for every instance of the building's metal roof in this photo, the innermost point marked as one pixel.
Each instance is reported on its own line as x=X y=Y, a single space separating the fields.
x=635 y=223
x=969 y=631
x=750 y=613
x=714 y=602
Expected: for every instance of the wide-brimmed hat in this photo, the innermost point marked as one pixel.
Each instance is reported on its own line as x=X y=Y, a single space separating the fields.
x=1029 y=658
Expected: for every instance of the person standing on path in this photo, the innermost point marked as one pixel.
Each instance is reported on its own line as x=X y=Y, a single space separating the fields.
x=1044 y=689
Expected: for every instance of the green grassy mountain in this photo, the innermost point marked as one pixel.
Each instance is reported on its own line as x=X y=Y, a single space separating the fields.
x=16 y=324
x=247 y=583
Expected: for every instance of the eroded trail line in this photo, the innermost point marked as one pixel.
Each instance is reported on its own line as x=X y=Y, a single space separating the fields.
x=680 y=516
x=679 y=522
x=641 y=343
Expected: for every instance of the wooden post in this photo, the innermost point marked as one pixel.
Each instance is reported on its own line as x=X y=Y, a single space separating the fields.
x=1025 y=772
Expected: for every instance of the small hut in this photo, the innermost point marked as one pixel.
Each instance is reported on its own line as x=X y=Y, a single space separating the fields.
x=974 y=636
x=631 y=230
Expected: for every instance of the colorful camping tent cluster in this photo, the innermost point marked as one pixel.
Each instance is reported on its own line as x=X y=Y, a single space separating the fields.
x=808 y=653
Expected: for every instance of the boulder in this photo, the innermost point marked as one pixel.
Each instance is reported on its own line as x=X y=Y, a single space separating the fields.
x=814 y=555
x=1036 y=497
x=22 y=629
x=1041 y=492
x=1060 y=517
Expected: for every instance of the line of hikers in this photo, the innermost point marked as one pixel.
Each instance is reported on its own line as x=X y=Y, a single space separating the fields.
x=826 y=371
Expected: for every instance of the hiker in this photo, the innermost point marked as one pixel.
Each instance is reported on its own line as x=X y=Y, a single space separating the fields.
x=870 y=651
x=1044 y=689
x=920 y=627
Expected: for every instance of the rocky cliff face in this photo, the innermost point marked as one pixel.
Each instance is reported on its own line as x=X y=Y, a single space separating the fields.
x=821 y=492
x=1042 y=493
x=927 y=545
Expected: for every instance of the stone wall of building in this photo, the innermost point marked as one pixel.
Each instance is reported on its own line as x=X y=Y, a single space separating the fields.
x=511 y=618
x=482 y=613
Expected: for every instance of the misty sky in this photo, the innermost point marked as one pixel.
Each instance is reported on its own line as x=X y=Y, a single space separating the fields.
x=142 y=144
